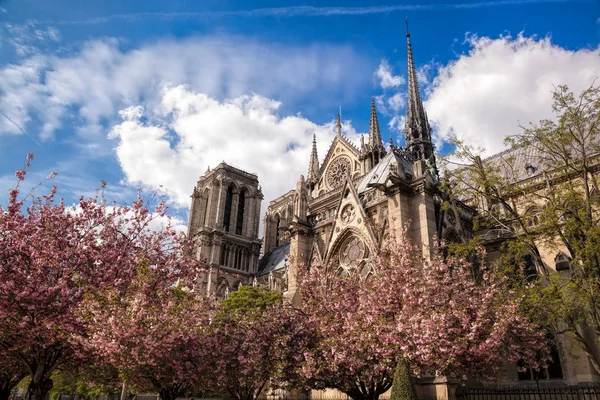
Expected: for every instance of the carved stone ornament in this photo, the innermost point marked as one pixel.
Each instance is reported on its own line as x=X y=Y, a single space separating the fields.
x=348 y=214
x=451 y=217
x=353 y=251
x=337 y=172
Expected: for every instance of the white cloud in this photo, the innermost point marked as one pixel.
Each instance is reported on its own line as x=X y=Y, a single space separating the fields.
x=386 y=78
x=25 y=38
x=89 y=86
x=397 y=101
x=499 y=83
x=172 y=144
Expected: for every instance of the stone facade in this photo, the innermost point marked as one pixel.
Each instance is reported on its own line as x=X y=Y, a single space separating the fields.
x=223 y=223
x=340 y=212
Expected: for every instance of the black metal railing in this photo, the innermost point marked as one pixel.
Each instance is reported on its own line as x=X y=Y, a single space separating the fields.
x=541 y=392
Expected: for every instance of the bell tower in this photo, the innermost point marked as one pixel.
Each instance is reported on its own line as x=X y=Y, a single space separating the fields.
x=223 y=224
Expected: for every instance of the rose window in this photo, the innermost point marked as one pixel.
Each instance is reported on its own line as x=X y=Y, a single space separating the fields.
x=352 y=253
x=348 y=214
x=337 y=171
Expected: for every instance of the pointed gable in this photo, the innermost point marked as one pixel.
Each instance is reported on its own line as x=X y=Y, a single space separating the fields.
x=342 y=157
x=315 y=256
x=350 y=220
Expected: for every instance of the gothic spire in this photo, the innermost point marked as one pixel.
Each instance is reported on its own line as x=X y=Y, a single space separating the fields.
x=374 y=132
x=338 y=125
x=417 y=129
x=313 y=164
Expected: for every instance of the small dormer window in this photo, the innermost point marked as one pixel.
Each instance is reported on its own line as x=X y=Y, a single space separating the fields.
x=562 y=261
x=530 y=169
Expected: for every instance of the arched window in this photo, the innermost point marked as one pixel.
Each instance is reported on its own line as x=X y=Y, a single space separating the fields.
x=205 y=207
x=562 y=261
x=222 y=289
x=223 y=254
x=529 y=268
x=240 y=213
x=277 y=231
x=227 y=212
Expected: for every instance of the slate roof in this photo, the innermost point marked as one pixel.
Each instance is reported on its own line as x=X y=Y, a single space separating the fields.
x=379 y=174
x=274 y=260
x=517 y=164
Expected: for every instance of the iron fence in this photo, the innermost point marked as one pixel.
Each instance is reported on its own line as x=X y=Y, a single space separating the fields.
x=541 y=392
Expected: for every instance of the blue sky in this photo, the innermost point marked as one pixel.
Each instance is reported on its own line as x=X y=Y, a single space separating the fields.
x=148 y=93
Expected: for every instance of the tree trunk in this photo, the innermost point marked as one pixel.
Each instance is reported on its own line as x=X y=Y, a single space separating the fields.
x=39 y=390
x=124 y=390
x=8 y=383
x=171 y=392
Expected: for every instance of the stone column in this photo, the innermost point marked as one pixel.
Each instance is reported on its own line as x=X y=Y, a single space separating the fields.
x=248 y=216
x=234 y=209
x=193 y=211
x=219 y=209
x=230 y=256
x=215 y=251
x=208 y=213
x=256 y=217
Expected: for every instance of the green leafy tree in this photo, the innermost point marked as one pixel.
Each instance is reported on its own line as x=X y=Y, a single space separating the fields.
x=541 y=198
x=249 y=299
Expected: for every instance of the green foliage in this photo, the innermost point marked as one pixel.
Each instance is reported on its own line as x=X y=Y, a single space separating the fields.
x=403 y=387
x=69 y=382
x=249 y=299
x=552 y=207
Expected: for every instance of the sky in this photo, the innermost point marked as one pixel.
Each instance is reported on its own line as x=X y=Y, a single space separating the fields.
x=149 y=94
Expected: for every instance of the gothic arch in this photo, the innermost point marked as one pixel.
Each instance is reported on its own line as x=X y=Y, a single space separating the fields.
x=277 y=219
x=239 y=218
x=451 y=236
x=244 y=187
x=231 y=189
x=222 y=288
x=236 y=286
x=532 y=216
x=346 y=234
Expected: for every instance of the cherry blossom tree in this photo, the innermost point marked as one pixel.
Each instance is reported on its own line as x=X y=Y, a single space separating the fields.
x=255 y=337
x=153 y=333
x=53 y=258
x=432 y=312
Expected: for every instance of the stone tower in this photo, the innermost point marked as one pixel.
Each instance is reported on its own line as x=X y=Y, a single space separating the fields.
x=223 y=224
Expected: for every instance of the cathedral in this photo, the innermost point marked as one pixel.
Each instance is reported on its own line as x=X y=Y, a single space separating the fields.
x=341 y=210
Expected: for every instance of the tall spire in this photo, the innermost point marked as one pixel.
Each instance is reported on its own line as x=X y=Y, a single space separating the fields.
x=416 y=128
x=374 y=132
x=313 y=164
x=338 y=125
x=373 y=151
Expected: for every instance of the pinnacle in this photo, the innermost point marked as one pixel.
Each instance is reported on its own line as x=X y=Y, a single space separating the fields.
x=313 y=163
x=374 y=131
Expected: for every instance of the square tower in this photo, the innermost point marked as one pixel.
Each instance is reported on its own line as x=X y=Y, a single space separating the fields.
x=223 y=224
